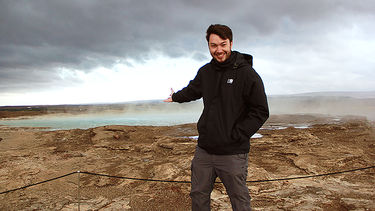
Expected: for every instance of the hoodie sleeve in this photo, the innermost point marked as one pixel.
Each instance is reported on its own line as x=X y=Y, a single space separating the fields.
x=191 y=92
x=257 y=106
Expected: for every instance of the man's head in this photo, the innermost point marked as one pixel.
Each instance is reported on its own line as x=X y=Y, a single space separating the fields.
x=220 y=41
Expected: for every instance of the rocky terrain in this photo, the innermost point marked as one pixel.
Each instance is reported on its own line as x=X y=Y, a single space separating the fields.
x=290 y=146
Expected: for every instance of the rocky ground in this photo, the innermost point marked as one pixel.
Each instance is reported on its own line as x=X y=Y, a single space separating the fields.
x=31 y=155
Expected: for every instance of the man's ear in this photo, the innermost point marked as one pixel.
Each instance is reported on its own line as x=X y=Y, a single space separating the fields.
x=231 y=45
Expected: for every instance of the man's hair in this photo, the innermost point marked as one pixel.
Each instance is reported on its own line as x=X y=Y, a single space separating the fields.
x=223 y=31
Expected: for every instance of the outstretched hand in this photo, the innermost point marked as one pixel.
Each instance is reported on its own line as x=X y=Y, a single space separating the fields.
x=169 y=99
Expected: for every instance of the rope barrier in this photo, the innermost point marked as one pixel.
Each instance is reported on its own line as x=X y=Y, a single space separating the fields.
x=311 y=176
x=38 y=183
x=133 y=178
x=251 y=181
x=174 y=181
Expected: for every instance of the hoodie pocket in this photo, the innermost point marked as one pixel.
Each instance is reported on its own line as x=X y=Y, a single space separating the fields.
x=235 y=135
x=238 y=135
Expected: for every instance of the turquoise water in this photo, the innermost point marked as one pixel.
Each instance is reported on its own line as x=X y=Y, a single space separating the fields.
x=84 y=121
x=95 y=120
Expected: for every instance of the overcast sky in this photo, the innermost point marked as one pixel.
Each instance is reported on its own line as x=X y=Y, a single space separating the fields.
x=91 y=51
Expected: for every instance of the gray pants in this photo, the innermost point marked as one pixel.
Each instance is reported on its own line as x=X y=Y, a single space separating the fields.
x=232 y=171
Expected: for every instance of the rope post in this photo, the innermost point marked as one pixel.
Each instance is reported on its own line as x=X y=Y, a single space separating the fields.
x=78 y=191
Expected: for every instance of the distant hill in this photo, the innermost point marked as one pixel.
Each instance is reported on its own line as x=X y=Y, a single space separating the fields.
x=368 y=94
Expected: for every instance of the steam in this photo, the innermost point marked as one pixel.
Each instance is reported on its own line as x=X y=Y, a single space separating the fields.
x=284 y=110
x=327 y=105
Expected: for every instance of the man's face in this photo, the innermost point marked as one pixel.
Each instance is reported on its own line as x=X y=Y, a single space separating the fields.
x=220 y=49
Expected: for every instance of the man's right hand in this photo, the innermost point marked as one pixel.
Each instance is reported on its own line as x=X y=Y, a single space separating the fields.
x=169 y=99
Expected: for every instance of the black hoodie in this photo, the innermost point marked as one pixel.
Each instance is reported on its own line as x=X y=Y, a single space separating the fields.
x=235 y=104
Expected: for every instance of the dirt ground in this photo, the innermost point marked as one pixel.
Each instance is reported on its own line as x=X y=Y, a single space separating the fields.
x=328 y=144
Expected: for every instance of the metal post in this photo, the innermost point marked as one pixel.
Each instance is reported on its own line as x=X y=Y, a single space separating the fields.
x=78 y=191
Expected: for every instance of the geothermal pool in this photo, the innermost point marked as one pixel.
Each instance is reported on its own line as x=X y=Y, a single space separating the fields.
x=84 y=121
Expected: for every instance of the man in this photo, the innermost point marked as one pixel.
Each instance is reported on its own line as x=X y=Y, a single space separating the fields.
x=235 y=107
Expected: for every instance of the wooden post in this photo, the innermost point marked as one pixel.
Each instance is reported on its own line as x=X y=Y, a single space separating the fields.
x=78 y=191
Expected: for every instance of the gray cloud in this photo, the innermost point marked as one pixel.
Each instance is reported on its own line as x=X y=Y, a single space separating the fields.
x=40 y=36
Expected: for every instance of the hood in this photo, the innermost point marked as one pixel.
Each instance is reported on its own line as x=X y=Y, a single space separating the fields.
x=248 y=58
x=243 y=59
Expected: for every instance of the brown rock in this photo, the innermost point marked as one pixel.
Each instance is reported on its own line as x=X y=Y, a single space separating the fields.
x=30 y=156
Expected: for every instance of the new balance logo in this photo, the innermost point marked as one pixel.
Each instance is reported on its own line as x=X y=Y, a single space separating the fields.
x=229 y=81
